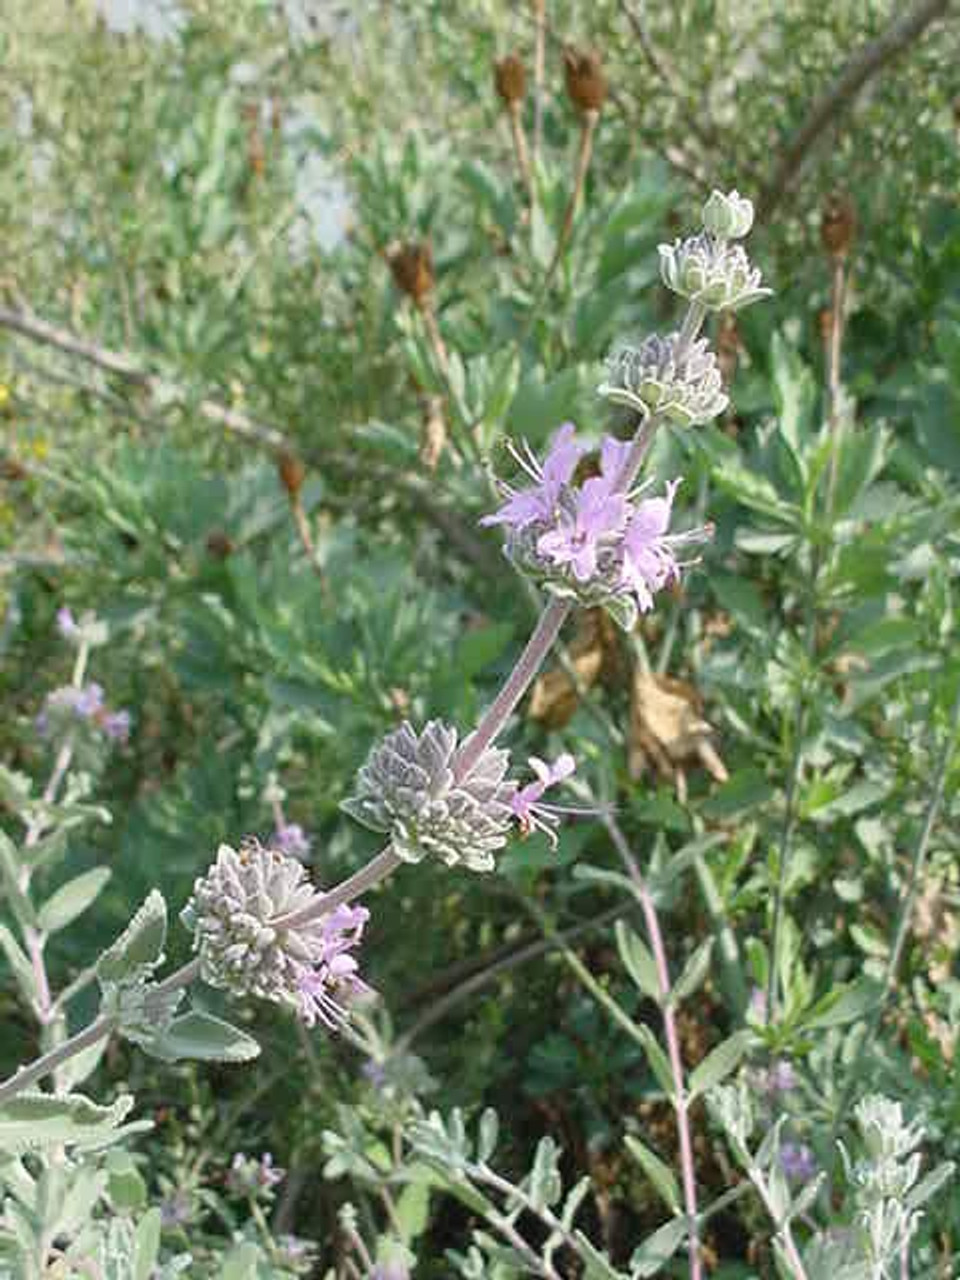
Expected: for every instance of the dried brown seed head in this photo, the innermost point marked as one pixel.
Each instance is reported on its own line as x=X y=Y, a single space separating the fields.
x=586 y=83
x=510 y=78
x=412 y=267
x=291 y=471
x=838 y=225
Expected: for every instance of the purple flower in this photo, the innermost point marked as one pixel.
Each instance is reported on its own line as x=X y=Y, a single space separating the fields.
x=334 y=975
x=531 y=815
x=85 y=702
x=576 y=539
x=648 y=561
x=66 y=624
x=528 y=506
x=248 y=1176
x=592 y=542
x=374 y=1072
x=781 y=1077
x=290 y=838
x=116 y=725
x=797 y=1161
x=757 y=1006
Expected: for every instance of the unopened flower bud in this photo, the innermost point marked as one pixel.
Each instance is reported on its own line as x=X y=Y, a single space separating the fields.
x=728 y=217
x=510 y=78
x=838 y=225
x=412 y=267
x=586 y=82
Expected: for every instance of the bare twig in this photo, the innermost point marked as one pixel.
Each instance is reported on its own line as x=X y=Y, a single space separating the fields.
x=864 y=63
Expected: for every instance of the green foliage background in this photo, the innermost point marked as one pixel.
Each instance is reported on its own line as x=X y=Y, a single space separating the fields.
x=147 y=196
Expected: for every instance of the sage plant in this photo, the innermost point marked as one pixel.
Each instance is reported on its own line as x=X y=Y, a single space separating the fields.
x=260 y=927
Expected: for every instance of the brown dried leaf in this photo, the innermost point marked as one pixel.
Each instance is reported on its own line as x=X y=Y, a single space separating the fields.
x=668 y=731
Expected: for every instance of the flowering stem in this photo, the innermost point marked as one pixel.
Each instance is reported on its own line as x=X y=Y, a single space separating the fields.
x=687 y=1166
x=42 y=1066
x=377 y=869
x=520 y=148
x=515 y=686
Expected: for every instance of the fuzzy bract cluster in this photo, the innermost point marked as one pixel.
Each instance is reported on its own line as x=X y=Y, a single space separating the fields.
x=683 y=383
x=591 y=542
x=236 y=917
x=408 y=789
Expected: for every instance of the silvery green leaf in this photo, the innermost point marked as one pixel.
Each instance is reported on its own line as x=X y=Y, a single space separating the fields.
x=769 y=1149
x=719 y=1062
x=20 y=904
x=203 y=1037
x=659 y=1063
x=146 y=1249
x=139 y=949
x=79 y=1199
x=240 y=1263
x=72 y=899
x=82 y=1065
x=34 y=1120
x=18 y=962
x=545 y=1185
x=597 y=1264
x=126 y=1186
x=658 y=1249
x=808 y=1194
x=930 y=1185
x=694 y=972
x=487 y=1136
x=637 y=960
x=48 y=850
x=659 y=1174
x=573 y=1201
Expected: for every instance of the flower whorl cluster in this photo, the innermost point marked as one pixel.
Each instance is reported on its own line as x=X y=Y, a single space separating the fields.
x=590 y=542
x=682 y=382
x=408 y=789
x=706 y=267
x=235 y=916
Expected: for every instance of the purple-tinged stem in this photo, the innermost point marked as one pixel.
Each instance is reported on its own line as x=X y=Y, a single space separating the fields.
x=377 y=869
x=659 y=951
x=514 y=687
